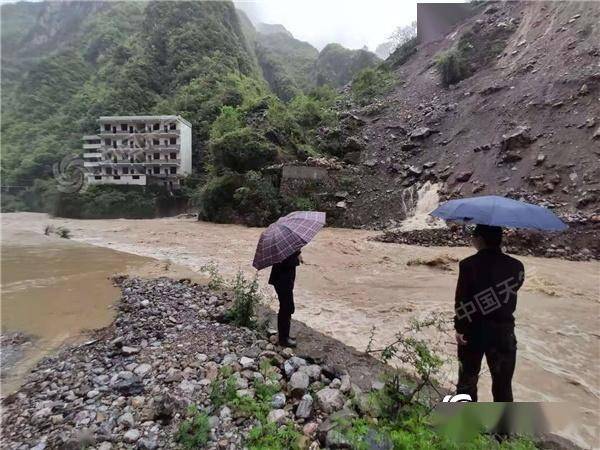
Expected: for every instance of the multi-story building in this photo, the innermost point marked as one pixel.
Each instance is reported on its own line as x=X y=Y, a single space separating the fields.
x=139 y=150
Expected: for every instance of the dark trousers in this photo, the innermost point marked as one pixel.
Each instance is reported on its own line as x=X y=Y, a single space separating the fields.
x=501 y=360
x=286 y=309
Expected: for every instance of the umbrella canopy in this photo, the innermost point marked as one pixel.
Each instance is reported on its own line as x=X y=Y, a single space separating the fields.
x=286 y=236
x=501 y=212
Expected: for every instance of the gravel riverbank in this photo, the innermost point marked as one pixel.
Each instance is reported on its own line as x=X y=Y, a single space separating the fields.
x=131 y=384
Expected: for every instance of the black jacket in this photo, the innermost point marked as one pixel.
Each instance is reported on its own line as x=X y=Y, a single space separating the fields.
x=283 y=274
x=486 y=293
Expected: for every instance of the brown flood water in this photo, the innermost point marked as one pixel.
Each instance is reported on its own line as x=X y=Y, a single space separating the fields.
x=349 y=285
x=55 y=290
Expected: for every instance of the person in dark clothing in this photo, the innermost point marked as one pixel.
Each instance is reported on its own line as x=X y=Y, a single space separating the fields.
x=283 y=276
x=486 y=298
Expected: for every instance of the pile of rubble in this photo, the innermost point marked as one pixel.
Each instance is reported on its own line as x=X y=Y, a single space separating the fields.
x=131 y=385
x=580 y=242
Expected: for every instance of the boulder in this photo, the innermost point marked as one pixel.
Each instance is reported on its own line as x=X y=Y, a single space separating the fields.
x=518 y=138
x=330 y=400
x=278 y=416
x=132 y=435
x=298 y=384
x=293 y=364
x=420 y=133
x=305 y=407
x=464 y=176
x=278 y=400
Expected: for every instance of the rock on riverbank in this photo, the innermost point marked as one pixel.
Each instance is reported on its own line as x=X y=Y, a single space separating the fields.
x=131 y=384
x=580 y=242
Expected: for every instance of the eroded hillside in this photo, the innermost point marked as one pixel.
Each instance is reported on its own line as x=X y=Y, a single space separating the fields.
x=524 y=122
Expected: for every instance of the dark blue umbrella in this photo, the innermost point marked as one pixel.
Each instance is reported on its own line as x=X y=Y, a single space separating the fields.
x=501 y=212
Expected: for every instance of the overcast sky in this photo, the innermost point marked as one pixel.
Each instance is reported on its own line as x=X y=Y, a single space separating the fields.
x=352 y=23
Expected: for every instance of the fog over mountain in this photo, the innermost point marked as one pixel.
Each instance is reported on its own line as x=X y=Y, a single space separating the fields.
x=353 y=24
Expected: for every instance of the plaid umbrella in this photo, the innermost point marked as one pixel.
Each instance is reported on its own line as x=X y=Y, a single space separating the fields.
x=286 y=236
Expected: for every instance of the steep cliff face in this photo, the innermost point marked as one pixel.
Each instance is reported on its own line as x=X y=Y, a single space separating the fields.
x=517 y=112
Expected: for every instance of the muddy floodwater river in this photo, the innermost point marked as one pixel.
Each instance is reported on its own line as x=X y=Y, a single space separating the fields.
x=347 y=286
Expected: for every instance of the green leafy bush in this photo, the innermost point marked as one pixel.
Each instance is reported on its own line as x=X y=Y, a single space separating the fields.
x=229 y=120
x=194 y=432
x=246 y=298
x=270 y=436
x=370 y=83
x=452 y=67
x=240 y=151
x=215 y=199
x=257 y=200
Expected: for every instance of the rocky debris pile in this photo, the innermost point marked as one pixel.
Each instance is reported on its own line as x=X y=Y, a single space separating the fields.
x=132 y=384
x=580 y=242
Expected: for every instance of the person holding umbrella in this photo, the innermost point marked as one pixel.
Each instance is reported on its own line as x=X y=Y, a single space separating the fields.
x=279 y=246
x=283 y=277
x=486 y=291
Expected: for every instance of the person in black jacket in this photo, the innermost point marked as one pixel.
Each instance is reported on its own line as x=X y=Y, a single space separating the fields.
x=283 y=276
x=486 y=298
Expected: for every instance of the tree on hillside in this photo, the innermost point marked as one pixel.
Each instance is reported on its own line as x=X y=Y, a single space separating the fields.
x=400 y=35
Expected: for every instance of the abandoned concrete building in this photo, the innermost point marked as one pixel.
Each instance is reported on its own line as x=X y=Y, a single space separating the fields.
x=139 y=150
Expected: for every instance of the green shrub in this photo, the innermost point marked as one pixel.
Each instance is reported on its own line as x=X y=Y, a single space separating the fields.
x=257 y=201
x=452 y=67
x=215 y=199
x=246 y=298
x=194 y=432
x=240 y=151
x=229 y=120
x=270 y=436
x=223 y=389
x=216 y=281
x=370 y=83
x=303 y=204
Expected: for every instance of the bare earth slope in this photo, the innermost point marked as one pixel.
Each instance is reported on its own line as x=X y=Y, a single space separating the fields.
x=526 y=122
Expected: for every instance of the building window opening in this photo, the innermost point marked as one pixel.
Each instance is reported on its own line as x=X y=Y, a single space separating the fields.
x=155 y=142
x=106 y=141
x=157 y=170
x=173 y=141
x=97 y=177
x=125 y=170
x=136 y=177
x=156 y=126
x=173 y=155
x=173 y=126
x=106 y=127
x=114 y=129
x=109 y=171
x=157 y=156
x=123 y=127
x=173 y=170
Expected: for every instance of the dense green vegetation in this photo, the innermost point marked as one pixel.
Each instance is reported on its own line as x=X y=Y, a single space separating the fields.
x=250 y=97
x=337 y=65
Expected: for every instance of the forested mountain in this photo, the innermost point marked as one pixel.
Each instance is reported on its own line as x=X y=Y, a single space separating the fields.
x=66 y=63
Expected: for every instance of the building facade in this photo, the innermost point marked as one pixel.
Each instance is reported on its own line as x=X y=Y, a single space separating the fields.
x=139 y=150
